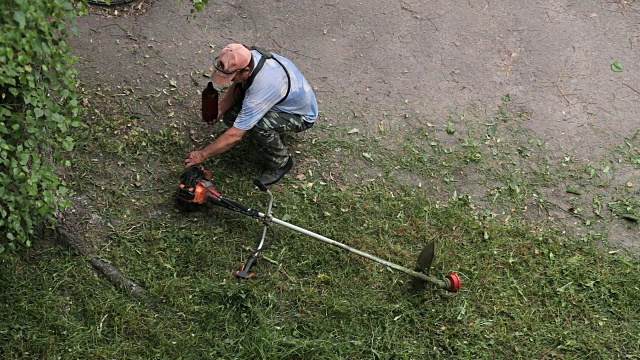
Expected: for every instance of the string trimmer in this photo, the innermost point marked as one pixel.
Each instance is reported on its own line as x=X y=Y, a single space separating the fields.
x=196 y=189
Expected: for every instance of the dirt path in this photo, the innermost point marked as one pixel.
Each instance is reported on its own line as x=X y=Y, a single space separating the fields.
x=380 y=59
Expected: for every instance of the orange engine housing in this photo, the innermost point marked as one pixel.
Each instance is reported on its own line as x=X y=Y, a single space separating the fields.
x=197 y=194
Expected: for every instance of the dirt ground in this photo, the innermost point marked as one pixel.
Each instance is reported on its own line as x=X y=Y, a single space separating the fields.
x=425 y=58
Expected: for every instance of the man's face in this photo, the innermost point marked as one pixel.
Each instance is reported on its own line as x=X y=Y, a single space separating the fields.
x=236 y=75
x=241 y=76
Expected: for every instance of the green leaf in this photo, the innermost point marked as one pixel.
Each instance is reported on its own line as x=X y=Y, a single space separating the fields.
x=573 y=190
x=68 y=145
x=630 y=217
x=63 y=191
x=19 y=17
x=616 y=66
x=449 y=128
x=513 y=184
x=24 y=159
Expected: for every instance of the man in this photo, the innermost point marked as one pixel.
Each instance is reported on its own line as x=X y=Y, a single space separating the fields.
x=268 y=96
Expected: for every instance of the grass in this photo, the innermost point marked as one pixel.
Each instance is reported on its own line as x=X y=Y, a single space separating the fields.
x=530 y=289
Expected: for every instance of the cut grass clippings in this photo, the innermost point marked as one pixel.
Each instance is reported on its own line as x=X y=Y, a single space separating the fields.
x=529 y=290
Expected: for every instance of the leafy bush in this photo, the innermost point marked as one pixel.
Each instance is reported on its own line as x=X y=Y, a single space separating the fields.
x=38 y=105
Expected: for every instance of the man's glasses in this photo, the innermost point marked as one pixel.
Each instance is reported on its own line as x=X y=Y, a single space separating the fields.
x=220 y=67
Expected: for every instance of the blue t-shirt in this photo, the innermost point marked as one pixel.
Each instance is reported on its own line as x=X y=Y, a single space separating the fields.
x=269 y=87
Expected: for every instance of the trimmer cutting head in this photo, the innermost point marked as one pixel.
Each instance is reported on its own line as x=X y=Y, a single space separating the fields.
x=423 y=265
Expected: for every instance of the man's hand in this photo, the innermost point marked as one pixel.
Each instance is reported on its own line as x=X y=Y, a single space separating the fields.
x=195 y=158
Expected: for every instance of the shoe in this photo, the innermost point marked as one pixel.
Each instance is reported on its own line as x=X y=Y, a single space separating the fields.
x=272 y=176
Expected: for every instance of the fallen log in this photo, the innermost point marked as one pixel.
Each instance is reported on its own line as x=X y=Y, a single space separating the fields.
x=115 y=276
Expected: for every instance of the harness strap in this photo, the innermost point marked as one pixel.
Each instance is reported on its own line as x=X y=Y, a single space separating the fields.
x=266 y=56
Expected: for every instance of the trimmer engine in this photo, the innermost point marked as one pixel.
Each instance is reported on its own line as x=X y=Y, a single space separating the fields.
x=195 y=188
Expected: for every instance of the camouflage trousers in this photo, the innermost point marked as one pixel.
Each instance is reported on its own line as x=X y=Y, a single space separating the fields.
x=266 y=134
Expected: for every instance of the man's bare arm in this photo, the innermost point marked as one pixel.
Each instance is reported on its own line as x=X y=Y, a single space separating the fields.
x=224 y=142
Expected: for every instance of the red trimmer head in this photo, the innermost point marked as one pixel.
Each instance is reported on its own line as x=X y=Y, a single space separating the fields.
x=452 y=282
x=455 y=281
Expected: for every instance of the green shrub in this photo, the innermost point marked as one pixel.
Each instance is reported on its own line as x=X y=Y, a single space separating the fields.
x=38 y=105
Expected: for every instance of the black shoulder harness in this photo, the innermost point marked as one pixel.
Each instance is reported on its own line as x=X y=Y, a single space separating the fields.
x=266 y=56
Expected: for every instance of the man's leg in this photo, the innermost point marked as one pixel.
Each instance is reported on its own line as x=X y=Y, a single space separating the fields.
x=266 y=135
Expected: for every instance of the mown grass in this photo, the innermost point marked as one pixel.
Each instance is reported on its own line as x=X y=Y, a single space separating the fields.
x=530 y=290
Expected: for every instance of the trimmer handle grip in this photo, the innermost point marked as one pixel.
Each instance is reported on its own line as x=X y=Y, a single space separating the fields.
x=245 y=272
x=260 y=185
